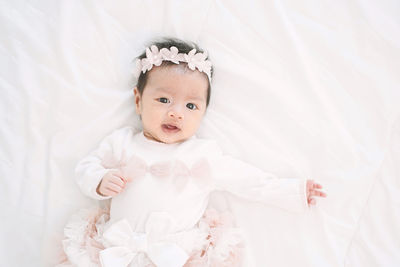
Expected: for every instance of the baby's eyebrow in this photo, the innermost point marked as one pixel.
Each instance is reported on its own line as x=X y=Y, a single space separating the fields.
x=167 y=90
x=163 y=89
x=198 y=98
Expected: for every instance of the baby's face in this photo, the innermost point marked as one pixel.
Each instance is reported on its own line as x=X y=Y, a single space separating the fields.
x=173 y=103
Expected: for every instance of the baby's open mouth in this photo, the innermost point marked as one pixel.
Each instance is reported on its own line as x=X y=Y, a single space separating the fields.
x=169 y=128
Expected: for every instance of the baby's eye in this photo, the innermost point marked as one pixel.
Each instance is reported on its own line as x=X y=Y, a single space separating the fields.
x=163 y=100
x=191 y=106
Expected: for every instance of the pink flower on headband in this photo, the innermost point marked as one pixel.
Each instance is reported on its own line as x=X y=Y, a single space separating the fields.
x=198 y=61
x=172 y=54
x=155 y=57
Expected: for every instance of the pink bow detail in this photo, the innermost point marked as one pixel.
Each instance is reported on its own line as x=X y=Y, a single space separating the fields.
x=135 y=167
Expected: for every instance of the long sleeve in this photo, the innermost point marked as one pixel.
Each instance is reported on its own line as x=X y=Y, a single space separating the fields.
x=91 y=169
x=248 y=182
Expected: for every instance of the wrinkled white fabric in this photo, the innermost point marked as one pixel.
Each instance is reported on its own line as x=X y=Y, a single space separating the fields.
x=301 y=89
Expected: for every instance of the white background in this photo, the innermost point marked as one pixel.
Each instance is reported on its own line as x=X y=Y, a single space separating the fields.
x=301 y=89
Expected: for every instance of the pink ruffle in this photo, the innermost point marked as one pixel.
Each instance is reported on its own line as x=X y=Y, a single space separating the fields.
x=223 y=246
x=82 y=242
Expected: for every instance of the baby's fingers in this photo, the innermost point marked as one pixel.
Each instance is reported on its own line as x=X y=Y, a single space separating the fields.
x=317 y=186
x=118 y=180
x=118 y=174
x=108 y=192
x=318 y=193
x=114 y=187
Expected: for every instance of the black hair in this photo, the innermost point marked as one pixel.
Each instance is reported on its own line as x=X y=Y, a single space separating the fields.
x=183 y=47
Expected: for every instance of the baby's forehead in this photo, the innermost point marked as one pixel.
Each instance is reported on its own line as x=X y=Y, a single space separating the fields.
x=182 y=69
x=174 y=80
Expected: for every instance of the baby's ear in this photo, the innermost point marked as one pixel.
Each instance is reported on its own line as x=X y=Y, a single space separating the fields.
x=137 y=100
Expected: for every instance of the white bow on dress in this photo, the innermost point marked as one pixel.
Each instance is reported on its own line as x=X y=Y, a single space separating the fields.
x=125 y=244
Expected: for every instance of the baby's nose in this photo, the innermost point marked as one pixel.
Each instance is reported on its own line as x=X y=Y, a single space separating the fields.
x=176 y=114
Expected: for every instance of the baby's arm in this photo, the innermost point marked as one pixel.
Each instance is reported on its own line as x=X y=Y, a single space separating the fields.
x=249 y=182
x=96 y=179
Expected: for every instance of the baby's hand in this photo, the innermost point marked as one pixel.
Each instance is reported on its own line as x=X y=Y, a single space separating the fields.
x=111 y=184
x=311 y=191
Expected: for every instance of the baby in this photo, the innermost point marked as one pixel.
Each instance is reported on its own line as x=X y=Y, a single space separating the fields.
x=160 y=178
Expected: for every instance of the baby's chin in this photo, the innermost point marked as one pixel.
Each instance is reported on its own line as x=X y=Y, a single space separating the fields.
x=167 y=138
x=173 y=140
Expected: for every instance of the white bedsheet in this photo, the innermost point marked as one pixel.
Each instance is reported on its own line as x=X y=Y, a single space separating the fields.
x=301 y=88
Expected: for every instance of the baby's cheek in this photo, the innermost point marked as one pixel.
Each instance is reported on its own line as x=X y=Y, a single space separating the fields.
x=196 y=121
x=150 y=120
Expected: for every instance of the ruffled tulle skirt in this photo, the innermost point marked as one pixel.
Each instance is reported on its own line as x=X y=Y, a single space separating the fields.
x=221 y=244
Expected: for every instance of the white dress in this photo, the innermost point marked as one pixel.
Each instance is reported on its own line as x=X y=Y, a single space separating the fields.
x=161 y=218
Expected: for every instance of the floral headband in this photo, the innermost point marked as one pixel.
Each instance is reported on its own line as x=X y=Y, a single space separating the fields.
x=155 y=57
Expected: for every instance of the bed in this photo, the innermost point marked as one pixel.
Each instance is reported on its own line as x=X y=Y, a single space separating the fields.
x=301 y=89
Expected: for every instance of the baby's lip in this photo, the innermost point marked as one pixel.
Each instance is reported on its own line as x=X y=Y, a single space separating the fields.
x=171 y=126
